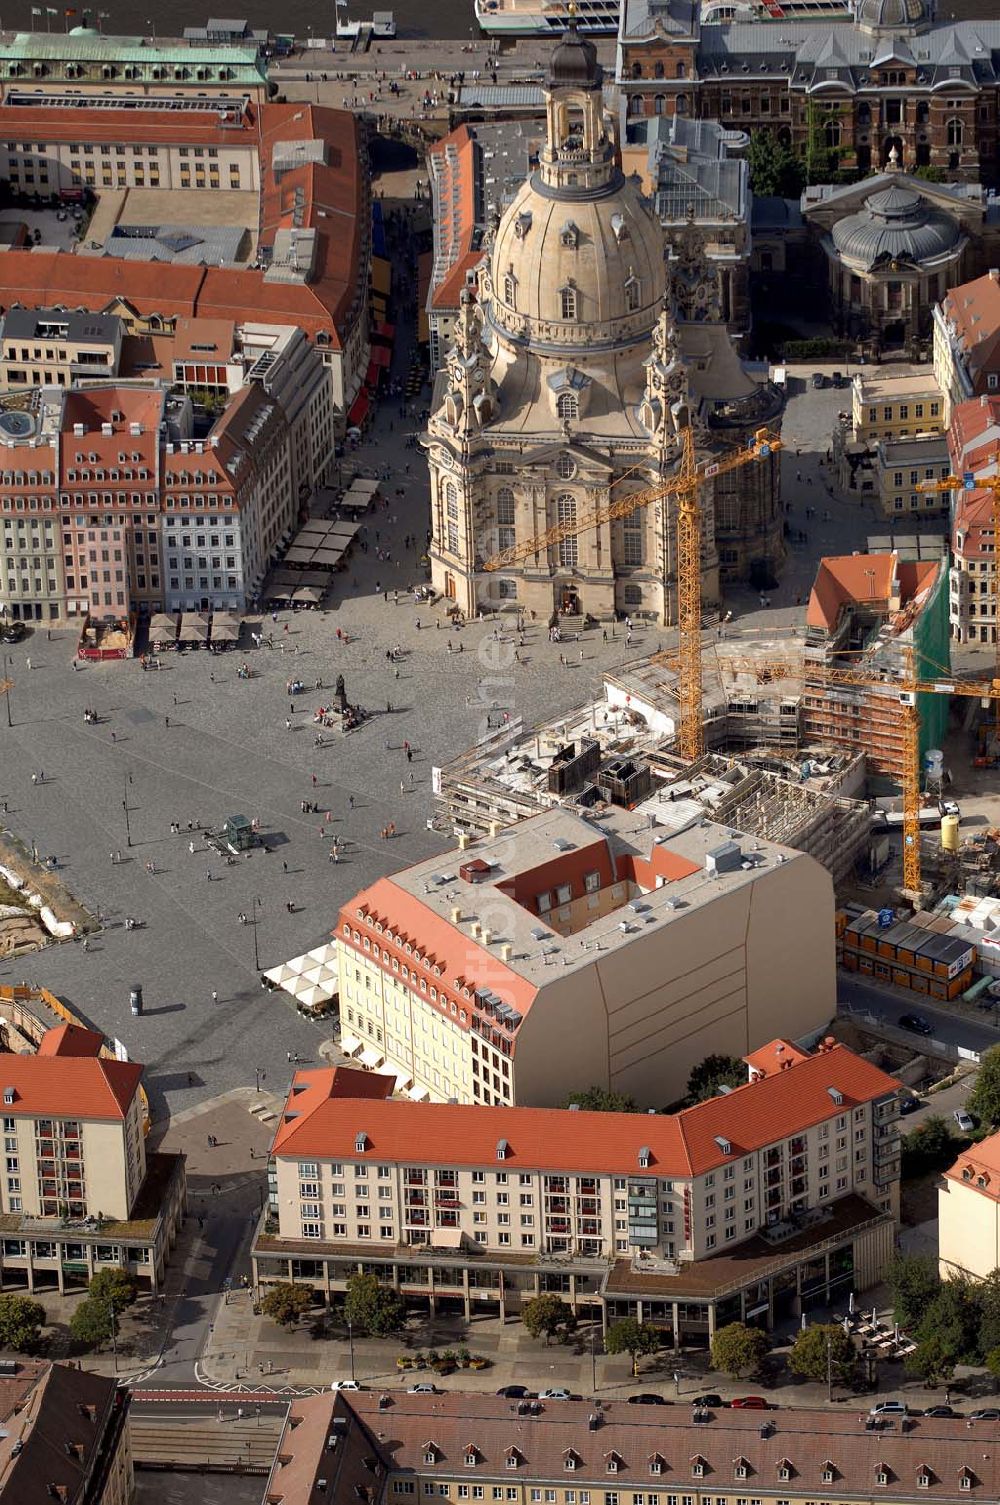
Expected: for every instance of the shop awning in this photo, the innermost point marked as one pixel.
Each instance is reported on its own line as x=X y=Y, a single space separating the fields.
x=371 y=1058
x=349 y=1044
x=381 y=275
x=381 y=355
x=372 y=374
x=359 y=410
x=385 y=331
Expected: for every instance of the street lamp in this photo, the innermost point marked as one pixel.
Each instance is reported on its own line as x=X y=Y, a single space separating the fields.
x=259 y=1075
x=114 y=1335
x=350 y=1339
x=128 y=828
x=257 y=903
x=10 y=664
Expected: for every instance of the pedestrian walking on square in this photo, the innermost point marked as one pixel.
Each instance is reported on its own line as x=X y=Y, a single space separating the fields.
x=215 y=996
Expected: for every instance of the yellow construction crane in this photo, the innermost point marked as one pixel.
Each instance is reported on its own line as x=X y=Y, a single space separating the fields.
x=907 y=686
x=976 y=481
x=686 y=486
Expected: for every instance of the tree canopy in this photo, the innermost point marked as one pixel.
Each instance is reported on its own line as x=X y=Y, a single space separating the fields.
x=632 y=1337
x=775 y=170
x=601 y=1100
x=544 y=1315
x=712 y=1073
x=984 y=1099
x=286 y=1303
x=21 y=1322
x=818 y=1346
x=738 y=1349
x=373 y=1308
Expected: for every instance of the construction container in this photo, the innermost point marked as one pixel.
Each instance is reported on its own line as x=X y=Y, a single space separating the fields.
x=949 y=832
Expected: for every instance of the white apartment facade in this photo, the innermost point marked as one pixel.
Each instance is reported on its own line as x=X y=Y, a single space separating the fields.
x=659 y=1194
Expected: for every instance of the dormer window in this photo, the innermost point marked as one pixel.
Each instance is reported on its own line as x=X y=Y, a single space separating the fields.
x=656 y=1464
x=965 y=1479
x=361 y=1143
x=613 y=1462
x=569 y=235
x=522 y=224
x=882 y=1474
x=569 y=1462
x=784 y=1470
x=430 y=1452
x=828 y=1473
x=632 y=295
x=513 y=1457
x=923 y=1478
x=503 y=1149
x=698 y=1468
x=471 y=1457
x=645 y=1157
x=741 y=1468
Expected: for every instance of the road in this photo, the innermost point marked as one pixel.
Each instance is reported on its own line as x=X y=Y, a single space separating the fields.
x=890 y=1003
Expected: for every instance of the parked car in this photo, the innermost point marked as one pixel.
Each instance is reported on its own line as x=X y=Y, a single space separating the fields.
x=558 y=1393
x=889 y=1408
x=712 y=1402
x=942 y=1411
x=750 y=1403
x=818 y=380
x=838 y=378
x=964 y=1120
x=916 y=1023
x=13 y=632
x=515 y=1392
x=985 y=1413
x=347 y=1385
x=424 y=1387
x=647 y=1398
x=908 y=1104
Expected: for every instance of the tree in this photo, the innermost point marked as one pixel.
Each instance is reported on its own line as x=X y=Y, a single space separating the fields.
x=914 y=1282
x=929 y=173
x=544 y=1315
x=632 y=1337
x=286 y=1303
x=823 y=1350
x=712 y=1073
x=929 y=1147
x=375 y=1309
x=984 y=1099
x=775 y=170
x=992 y=1362
x=601 y=1100
x=952 y=1317
x=113 y=1288
x=91 y=1323
x=738 y=1349
x=21 y=1322
x=931 y=1361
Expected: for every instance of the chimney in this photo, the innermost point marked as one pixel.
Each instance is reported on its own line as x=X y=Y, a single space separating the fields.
x=456 y=915
x=487 y=936
x=463 y=841
x=506 y=951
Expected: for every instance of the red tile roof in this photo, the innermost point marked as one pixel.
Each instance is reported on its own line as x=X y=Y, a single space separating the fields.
x=777 y=1055
x=71 y=1040
x=980 y=1160
x=84 y=1086
x=454 y=166
x=321 y=1119
x=973 y=444
x=332 y=200
x=974 y=309
x=150 y=127
x=848 y=578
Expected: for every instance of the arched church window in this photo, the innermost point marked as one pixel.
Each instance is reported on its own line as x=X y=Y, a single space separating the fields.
x=566 y=513
x=505 y=505
x=568 y=405
x=660 y=104
x=567 y=303
x=832 y=133
x=510 y=291
x=956 y=132
x=632 y=292
x=658 y=70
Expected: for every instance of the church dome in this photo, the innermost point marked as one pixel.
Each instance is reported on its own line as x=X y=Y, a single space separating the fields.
x=578 y=257
x=892 y=15
x=895 y=225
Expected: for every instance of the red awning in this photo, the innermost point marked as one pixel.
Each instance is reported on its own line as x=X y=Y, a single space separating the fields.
x=359 y=411
x=371 y=375
x=385 y=331
x=381 y=355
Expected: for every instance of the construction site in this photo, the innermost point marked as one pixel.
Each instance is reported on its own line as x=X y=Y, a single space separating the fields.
x=807 y=739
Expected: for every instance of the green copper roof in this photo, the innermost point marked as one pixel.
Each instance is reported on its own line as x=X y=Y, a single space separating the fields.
x=91 y=47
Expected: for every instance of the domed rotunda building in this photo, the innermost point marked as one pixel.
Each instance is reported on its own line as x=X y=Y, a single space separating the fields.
x=563 y=388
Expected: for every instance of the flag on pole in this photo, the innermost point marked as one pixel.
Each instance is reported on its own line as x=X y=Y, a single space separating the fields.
x=69 y=12
x=36 y=10
x=50 y=10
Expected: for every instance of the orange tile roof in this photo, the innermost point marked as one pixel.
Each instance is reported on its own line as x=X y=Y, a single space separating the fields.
x=977 y=420
x=150 y=127
x=333 y=200
x=982 y=1159
x=454 y=165
x=84 y=1086
x=775 y=1056
x=321 y=1120
x=842 y=579
x=70 y=1040
x=974 y=309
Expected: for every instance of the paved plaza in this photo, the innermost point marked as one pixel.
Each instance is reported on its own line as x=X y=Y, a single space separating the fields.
x=194 y=743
